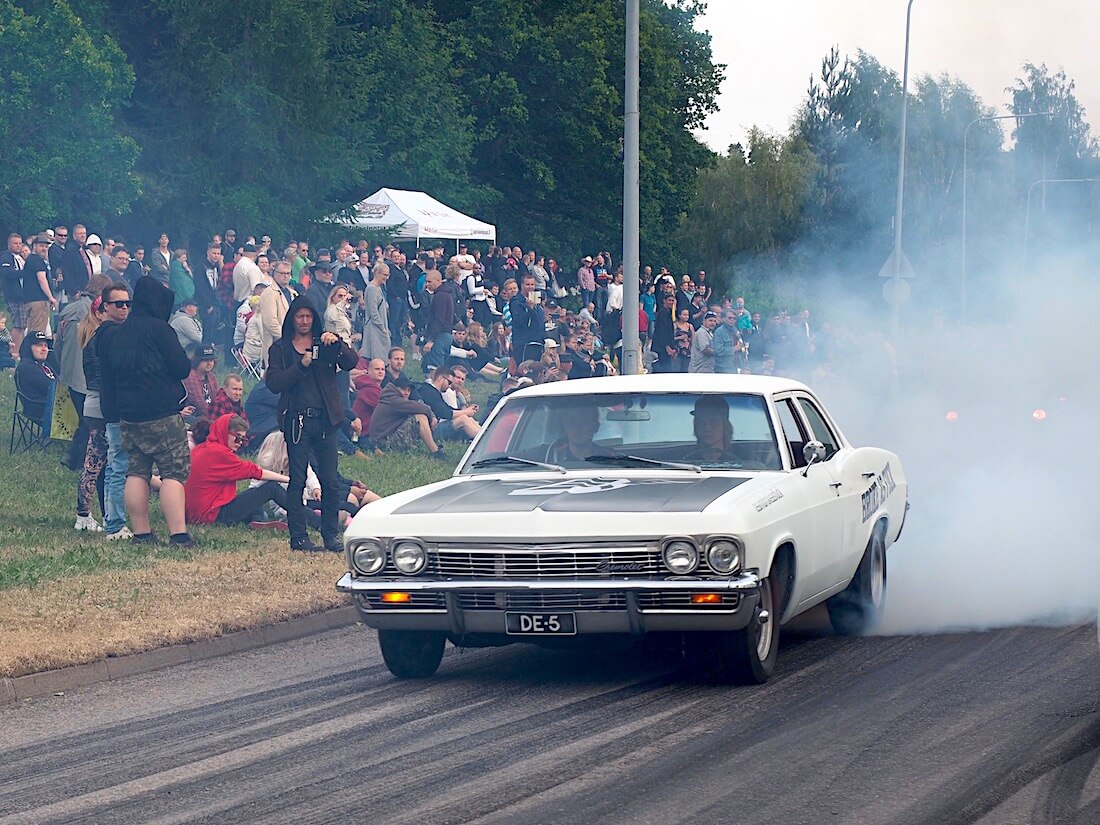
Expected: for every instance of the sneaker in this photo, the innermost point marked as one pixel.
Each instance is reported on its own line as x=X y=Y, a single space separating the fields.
x=268 y=525
x=87 y=523
x=181 y=540
x=306 y=546
x=440 y=454
x=124 y=533
x=144 y=538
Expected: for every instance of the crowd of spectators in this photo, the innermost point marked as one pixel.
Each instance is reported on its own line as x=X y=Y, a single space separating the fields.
x=322 y=337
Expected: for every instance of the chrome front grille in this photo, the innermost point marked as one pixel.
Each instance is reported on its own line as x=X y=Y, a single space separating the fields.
x=602 y=560
x=543 y=601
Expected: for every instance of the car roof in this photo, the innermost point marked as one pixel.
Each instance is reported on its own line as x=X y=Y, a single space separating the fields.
x=665 y=382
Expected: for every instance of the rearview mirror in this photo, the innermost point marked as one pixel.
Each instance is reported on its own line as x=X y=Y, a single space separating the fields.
x=627 y=415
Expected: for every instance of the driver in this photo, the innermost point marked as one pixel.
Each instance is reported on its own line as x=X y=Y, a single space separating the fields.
x=713 y=431
x=580 y=422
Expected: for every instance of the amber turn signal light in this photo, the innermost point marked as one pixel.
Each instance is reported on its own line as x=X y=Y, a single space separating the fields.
x=706 y=598
x=396 y=598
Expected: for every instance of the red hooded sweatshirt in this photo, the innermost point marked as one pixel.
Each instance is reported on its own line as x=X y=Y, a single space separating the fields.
x=215 y=471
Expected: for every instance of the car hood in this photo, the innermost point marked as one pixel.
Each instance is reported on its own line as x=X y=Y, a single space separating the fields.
x=549 y=505
x=588 y=494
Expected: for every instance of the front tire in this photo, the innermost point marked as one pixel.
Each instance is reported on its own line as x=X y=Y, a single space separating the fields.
x=747 y=656
x=412 y=654
x=858 y=608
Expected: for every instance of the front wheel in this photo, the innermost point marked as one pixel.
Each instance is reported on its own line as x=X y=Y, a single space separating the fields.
x=858 y=608
x=747 y=656
x=411 y=654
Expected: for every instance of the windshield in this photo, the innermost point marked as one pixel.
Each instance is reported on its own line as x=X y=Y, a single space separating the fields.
x=678 y=431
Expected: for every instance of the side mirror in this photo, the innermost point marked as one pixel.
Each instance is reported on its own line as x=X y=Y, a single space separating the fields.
x=812 y=452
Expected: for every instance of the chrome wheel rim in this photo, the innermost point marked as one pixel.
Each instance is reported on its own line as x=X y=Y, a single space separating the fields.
x=764 y=632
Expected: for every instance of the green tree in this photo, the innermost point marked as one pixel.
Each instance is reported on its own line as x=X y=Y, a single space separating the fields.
x=60 y=89
x=545 y=83
x=749 y=207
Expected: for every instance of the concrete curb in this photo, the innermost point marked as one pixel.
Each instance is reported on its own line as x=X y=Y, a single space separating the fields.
x=15 y=688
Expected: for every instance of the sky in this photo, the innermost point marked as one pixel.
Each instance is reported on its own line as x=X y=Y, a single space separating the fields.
x=772 y=48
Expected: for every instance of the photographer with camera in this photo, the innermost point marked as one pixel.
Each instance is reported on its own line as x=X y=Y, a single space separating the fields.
x=528 y=322
x=302 y=368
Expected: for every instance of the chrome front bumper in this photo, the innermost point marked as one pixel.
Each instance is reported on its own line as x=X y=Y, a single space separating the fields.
x=632 y=617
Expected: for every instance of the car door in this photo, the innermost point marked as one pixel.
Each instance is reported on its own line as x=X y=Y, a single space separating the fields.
x=819 y=527
x=845 y=501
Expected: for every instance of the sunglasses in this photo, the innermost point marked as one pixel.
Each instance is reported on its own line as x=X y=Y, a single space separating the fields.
x=238 y=436
x=120 y=304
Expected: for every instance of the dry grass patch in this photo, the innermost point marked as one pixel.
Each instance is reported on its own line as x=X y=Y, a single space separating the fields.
x=114 y=613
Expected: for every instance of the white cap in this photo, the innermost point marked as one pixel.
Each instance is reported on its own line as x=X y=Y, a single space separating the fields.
x=550 y=343
x=93 y=239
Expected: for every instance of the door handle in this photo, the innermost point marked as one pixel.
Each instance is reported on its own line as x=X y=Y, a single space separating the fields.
x=836 y=485
x=868 y=475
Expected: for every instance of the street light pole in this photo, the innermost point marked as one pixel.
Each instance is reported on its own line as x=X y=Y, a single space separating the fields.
x=898 y=210
x=631 y=362
x=966 y=135
x=1027 y=212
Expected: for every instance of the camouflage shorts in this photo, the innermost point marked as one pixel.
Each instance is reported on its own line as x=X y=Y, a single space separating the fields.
x=163 y=442
x=404 y=438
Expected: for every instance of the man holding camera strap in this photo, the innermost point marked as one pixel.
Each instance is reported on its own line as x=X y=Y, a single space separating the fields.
x=302 y=368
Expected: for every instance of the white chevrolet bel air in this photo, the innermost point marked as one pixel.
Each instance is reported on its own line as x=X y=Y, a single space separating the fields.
x=709 y=509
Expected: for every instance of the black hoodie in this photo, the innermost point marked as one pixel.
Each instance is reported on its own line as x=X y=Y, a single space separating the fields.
x=285 y=370
x=142 y=365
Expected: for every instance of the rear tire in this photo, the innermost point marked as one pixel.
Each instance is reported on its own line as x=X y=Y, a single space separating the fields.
x=412 y=654
x=747 y=656
x=859 y=607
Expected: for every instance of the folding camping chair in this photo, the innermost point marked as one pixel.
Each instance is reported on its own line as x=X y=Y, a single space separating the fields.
x=28 y=433
x=255 y=370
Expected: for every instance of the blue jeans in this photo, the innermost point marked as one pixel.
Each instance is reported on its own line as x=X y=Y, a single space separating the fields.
x=441 y=351
x=118 y=460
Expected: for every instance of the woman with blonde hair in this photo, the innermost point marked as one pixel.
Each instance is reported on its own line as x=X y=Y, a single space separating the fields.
x=89 y=486
x=482 y=363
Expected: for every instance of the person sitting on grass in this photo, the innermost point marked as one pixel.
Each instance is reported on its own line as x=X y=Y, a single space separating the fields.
x=451 y=424
x=272 y=455
x=230 y=401
x=211 y=489
x=399 y=422
x=368 y=389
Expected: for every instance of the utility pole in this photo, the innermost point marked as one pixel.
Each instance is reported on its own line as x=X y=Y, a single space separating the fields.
x=632 y=355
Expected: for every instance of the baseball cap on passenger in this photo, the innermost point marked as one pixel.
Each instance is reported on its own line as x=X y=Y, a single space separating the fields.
x=712 y=405
x=206 y=353
x=93 y=240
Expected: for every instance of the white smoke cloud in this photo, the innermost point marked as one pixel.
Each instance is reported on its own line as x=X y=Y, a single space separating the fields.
x=1003 y=521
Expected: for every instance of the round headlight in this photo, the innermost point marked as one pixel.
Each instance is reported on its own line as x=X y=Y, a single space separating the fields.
x=409 y=557
x=681 y=557
x=724 y=556
x=368 y=558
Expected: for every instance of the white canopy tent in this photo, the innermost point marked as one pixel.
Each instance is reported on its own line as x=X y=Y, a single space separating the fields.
x=417 y=215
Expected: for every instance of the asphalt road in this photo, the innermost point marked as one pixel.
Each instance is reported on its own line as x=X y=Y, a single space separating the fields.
x=1001 y=726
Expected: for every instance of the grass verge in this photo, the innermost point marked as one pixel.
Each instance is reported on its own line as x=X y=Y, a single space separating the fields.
x=68 y=598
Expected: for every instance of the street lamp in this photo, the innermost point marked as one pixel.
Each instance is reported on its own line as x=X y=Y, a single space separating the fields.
x=631 y=359
x=1027 y=212
x=966 y=135
x=898 y=211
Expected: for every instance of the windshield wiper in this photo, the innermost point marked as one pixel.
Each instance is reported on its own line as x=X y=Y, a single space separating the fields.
x=511 y=459
x=637 y=459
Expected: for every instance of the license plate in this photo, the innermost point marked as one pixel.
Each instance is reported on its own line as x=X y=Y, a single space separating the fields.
x=540 y=624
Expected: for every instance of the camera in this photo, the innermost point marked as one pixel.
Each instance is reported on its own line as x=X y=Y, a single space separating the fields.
x=316 y=349
x=538 y=296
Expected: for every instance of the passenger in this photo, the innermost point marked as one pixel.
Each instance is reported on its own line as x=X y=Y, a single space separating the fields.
x=580 y=422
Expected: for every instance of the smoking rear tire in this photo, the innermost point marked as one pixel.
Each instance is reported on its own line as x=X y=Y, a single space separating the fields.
x=859 y=607
x=411 y=654
x=747 y=656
